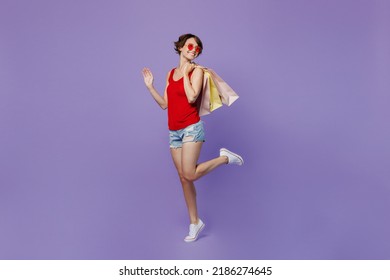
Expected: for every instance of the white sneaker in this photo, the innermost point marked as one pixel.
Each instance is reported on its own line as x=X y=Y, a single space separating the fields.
x=194 y=231
x=232 y=157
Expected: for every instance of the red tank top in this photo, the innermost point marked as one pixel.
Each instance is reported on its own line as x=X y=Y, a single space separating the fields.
x=181 y=113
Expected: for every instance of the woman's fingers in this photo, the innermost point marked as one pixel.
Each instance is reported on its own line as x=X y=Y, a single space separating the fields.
x=188 y=67
x=146 y=72
x=148 y=76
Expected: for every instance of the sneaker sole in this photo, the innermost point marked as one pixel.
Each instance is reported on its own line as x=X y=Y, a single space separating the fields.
x=233 y=154
x=196 y=236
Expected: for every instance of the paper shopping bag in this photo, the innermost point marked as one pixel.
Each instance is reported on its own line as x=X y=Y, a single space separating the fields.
x=228 y=95
x=215 y=99
x=215 y=92
x=210 y=99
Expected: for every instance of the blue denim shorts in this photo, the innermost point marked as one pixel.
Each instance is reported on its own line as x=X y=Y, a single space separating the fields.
x=192 y=133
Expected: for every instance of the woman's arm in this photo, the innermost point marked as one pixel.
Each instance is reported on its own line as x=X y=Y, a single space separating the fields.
x=148 y=79
x=193 y=86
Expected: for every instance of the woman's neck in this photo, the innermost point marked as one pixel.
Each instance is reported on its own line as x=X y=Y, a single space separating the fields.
x=183 y=61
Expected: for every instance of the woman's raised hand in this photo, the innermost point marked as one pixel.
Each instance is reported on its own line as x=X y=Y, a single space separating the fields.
x=148 y=77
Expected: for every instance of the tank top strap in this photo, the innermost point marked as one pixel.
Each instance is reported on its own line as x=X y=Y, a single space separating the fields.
x=171 y=75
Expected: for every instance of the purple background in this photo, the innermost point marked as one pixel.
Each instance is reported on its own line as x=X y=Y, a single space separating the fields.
x=84 y=160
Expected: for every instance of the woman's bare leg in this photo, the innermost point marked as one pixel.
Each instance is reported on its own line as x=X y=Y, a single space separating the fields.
x=191 y=170
x=188 y=186
x=185 y=160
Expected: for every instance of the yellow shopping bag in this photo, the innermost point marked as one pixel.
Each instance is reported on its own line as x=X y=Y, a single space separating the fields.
x=215 y=99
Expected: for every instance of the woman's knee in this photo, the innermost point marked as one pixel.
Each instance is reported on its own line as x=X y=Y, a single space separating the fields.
x=182 y=178
x=189 y=176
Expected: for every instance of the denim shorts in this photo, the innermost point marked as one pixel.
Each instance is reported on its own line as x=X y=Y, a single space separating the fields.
x=192 y=133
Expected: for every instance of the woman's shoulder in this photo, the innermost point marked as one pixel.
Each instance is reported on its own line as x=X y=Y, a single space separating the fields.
x=170 y=73
x=197 y=72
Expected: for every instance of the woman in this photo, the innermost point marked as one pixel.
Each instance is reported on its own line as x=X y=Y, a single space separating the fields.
x=186 y=132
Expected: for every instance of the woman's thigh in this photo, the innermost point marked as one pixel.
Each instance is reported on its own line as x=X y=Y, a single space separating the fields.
x=176 y=157
x=189 y=157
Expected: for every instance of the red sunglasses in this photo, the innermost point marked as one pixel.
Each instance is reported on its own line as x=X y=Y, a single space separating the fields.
x=190 y=47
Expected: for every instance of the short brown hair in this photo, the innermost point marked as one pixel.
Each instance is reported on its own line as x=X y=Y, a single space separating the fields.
x=182 y=40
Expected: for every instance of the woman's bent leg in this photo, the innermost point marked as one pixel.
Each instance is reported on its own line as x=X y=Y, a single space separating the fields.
x=192 y=171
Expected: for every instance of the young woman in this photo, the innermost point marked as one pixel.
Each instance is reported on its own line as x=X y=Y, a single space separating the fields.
x=186 y=132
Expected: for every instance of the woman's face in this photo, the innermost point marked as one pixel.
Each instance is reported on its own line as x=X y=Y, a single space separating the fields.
x=190 y=50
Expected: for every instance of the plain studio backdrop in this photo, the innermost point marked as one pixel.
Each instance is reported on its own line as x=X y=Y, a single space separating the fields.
x=85 y=168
